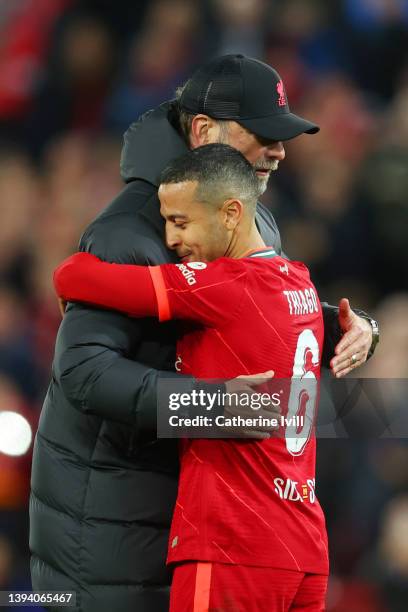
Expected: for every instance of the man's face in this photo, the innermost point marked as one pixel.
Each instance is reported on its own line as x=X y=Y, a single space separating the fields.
x=264 y=155
x=194 y=230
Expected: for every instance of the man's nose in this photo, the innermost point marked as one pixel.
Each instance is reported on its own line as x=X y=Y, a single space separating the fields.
x=276 y=150
x=172 y=238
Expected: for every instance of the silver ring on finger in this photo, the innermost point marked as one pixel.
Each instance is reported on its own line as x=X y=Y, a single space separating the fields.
x=353 y=360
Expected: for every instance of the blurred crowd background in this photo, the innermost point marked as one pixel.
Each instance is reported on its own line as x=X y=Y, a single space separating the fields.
x=75 y=73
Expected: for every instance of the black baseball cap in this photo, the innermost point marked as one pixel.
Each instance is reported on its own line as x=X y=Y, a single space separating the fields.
x=247 y=91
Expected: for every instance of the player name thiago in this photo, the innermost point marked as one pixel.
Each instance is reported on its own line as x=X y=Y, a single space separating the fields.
x=302 y=302
x=297 y=421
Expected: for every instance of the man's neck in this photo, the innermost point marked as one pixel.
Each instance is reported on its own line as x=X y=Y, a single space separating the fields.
x=244 y=241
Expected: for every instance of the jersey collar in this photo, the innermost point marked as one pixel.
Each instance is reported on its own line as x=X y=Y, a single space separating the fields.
x=266 y=253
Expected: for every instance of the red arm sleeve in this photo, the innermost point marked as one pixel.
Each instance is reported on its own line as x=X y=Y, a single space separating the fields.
x=208 y=293
x=127 y=288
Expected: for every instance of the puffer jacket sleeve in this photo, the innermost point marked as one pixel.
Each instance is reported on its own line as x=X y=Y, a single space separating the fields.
x=92 y=363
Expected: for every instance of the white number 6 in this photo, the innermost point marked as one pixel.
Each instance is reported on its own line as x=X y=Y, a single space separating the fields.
x=303 y=392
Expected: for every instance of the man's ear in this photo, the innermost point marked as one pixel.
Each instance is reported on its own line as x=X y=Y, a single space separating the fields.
x=232 y=213
x=204 y=130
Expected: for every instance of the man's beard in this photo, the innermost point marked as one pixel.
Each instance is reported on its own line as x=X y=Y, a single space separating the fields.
x=263 y=180
x=263 y=184
x=271 y=165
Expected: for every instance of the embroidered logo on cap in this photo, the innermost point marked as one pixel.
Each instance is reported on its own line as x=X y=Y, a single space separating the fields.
x=281 y=92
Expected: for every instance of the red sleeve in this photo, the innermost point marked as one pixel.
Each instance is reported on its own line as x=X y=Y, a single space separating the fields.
x=127 y=288
x=208 y=293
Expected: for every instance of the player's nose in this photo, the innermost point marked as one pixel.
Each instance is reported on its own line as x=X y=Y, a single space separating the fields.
x=276 y=150
x=172 y=238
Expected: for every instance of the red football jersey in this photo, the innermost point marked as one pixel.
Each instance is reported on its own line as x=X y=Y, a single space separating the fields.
x=243 y=501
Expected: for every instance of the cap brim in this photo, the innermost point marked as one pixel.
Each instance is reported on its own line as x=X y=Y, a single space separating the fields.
x=282 y=126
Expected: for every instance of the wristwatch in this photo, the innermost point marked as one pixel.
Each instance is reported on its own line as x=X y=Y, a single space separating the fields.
x=376 y=334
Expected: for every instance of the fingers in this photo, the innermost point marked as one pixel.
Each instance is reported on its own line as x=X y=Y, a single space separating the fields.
x=344 y=307
x=347 y=342
x=263 y=420
x=346 y=370
x=255 y=435
x=247 y=434
x=260 y=379
x=246 y=384
x=254 y=380
x=62 y=306
x=244 y=422
x=266 y=418
x=268 y=374
x=346 y=316
x=348 y=366
x=348 y=360
x=355 y=342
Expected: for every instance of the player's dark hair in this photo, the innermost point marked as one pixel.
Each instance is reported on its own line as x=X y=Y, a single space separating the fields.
x=221 y=172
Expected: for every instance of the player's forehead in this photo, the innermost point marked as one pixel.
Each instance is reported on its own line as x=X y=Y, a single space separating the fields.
x=177 y=198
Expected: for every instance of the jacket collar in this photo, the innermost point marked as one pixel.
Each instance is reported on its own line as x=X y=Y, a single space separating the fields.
x=150 y=144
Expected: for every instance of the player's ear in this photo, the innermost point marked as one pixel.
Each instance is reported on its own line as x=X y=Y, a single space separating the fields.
x=204 y=130
x=232 y=210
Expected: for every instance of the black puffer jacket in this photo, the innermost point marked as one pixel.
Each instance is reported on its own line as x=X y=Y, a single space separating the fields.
x=103 y=487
